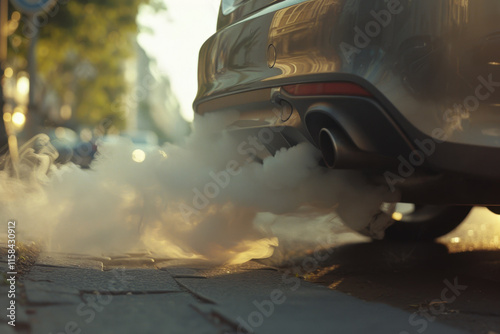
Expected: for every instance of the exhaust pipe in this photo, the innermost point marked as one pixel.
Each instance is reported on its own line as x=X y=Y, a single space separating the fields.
x=340 y=153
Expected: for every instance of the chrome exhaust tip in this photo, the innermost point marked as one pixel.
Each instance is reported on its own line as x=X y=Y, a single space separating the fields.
x=329 y=147
x=341 y=153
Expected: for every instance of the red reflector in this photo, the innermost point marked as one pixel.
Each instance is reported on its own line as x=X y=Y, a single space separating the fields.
x=326 y=88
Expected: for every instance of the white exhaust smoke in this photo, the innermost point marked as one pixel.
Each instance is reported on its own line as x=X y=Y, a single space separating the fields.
x=202 y=199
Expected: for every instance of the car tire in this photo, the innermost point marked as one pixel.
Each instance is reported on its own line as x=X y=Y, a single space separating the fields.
x=426 y=223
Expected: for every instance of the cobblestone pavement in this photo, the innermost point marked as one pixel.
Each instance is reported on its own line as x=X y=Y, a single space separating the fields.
x=138 y=293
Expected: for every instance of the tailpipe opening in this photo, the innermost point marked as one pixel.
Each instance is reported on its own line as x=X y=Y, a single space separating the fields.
x=339 y=152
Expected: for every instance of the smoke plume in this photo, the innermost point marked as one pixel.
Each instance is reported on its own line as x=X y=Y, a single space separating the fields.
x=207 y=198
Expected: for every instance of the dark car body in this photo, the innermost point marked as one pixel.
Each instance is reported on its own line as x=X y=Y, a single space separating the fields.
x=408 y=91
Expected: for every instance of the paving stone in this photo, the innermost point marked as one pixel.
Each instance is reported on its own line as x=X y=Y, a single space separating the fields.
x=64 y=261
x=269 y=302
x=144 y=253
x=50 y=293
x=188 y=263
x=7 y=329
x=21 y=315
x=234 y=269
x=4 y=268
x=88 y=257
x=162 y=260
x=187 y=269
x=158 y=313
x=253 y=265
x=78 y=255
x=130 y=280
x=181 y=272
x=139 y=253
x=131 y=262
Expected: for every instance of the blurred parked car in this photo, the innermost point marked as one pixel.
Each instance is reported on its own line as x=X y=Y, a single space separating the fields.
x=407 y=91
x=71 y=148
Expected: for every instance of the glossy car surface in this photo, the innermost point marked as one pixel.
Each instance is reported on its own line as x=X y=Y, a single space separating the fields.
x=408 y=90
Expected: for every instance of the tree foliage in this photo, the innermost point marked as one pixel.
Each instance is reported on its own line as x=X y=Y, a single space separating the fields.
x=82 y=50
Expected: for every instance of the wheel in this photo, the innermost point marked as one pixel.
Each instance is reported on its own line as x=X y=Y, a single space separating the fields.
x=424 y=222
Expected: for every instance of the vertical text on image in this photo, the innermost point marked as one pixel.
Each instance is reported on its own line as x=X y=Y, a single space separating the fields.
x=11 y=274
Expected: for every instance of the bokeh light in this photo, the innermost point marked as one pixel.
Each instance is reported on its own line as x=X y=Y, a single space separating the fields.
x=138 y=155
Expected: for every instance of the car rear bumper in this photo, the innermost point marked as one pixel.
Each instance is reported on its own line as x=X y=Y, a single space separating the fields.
x=432 y=69
x=425 y=168
x=436 y=61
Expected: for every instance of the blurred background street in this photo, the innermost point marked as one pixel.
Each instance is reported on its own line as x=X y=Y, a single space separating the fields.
x=81 y=70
